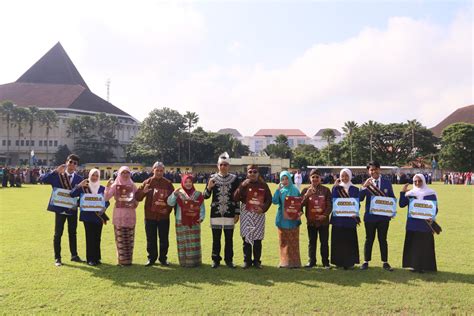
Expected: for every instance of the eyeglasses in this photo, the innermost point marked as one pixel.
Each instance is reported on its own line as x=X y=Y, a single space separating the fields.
x=73 y=162
x=252 y=172
x=224 y=165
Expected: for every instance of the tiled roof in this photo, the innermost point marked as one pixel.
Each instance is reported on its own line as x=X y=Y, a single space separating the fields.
x=464 y=114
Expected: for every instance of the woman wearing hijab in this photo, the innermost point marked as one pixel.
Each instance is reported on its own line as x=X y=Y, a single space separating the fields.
x=123 y=190
x=419 y=248
x=188 y=225
x=288 y=229
x=344 y=243
x=93 y=221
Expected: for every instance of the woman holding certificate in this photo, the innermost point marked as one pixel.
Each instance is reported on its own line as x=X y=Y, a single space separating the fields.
x=93 y=205
x=419 y=248
x=344 y=243
x=288 y=220
x=256 y=199
x=123 y=190
x=190 y=212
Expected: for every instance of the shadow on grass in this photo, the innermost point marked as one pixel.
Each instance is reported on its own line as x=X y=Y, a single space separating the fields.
x=139 y=276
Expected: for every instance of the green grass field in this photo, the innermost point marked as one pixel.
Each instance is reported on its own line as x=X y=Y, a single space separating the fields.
x=30 y=283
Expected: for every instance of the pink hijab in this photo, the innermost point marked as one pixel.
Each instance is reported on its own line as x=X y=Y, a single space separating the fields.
x=120 y=179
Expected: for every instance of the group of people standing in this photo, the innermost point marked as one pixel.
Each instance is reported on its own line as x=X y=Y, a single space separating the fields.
x=233 y=200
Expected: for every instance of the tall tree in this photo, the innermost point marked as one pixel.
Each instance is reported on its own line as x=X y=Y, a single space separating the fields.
x=32 y=119
x=329 y=136
x=371 y=128
x=49 y=119
x=412 y=127
x=457 y=147
x=280 y=149
x=19 y=118
x=6 y=109
x=191 y=120
x=349 y=129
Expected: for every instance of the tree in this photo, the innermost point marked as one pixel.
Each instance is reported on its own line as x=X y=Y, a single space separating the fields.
x=32 y=118
x=280 y=149
x=304 y=155
x=329 y=136
x=49 y=119
x=61 y=155
x=412 y=127
x=19 y=117
x=6 y=109
x=191 y=120
x=371 y=128
x=457 y=147
x=349 y=129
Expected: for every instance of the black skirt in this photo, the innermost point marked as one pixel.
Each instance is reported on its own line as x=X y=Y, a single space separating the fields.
x=419 y=251
x=344 y=246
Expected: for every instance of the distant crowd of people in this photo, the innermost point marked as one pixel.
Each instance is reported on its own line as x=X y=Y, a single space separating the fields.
x=458 y=178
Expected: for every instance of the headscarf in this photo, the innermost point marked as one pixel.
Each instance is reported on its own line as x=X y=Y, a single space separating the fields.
x=422 y=191
x=120 y=180
x=187 y=194
x=290 y=189
x=347 y=185
x=94 y=186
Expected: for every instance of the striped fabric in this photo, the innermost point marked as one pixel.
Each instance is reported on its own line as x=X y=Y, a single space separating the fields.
x=252 y=225
x=189 y=245
x=124 y=239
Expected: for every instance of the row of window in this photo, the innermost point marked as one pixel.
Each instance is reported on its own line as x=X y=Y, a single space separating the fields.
x=26 y=143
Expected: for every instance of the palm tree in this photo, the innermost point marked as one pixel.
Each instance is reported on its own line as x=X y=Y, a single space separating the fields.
x=349 y=128
x=413 y=126
x=329 y=136
x=371 y=128
x=6 y=109
x=192 y=118
x=19 y=117
x=49 y=119
x=32 y=118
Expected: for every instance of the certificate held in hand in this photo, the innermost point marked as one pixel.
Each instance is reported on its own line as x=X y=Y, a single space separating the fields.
x=124 y=196
x=316 y=207
x=255 y=199
x=190 y=213
x=292 y=207
x=160 y=204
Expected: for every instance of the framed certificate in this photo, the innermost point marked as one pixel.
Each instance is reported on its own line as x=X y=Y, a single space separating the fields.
x=255 y=199
x=315 y=206
x=124 y=197
x=190 y=212
x=92 y=202
x=345 y=207
x=292 y=207
x=383 y=206
x=62 y=198
x=160 y=197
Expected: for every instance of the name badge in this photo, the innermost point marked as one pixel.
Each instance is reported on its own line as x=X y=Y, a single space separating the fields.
x=383 y=206
x=345 y=207
x=61 y=198
x=422 y=209
x=92 y=202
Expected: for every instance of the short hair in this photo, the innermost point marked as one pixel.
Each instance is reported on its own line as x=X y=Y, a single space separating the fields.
x=158 y=164
x=373 y=164
x=73 y=157
x=314 y=171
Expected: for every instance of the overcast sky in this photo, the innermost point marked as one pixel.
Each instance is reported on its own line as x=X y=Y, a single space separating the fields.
x=251 y=65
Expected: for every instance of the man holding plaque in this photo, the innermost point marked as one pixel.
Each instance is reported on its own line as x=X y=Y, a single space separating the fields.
x=224 y=210
x=419 y=248
x=256 y=199
x=156 y=191
x=375 y=186
x=317 y=202
x=63 y=179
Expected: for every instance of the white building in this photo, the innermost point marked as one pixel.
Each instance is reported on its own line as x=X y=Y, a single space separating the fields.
x=319 y=142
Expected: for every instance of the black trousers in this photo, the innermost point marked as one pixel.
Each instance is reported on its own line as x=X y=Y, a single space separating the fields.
x=155 y=229
x=60 y=220
x=381 y=228
x=93 y=235
x=323 y=232
x=256 y=250
x=216 y=244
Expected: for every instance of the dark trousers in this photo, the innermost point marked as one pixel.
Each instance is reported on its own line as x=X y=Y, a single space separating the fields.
x=216 y=244
x=93 y=234
x=155 y=229
x=371 y=228
x=323 y=232
x=71 y=230
x=257 y=252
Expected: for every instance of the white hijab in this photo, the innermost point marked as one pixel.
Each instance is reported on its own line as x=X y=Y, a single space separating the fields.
x=347 y=185
x=94 y=186
x=422 y=191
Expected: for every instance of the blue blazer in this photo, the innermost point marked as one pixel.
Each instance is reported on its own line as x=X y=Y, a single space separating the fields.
x=89 y=216
x=386 y=187
x=345 y=221
x=52 y=178
x=416 y=224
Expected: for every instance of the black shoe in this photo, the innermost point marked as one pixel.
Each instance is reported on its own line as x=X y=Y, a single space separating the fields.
x=149 y=263
x=76 y=259
x=58 y=263
x=215 y=264
x=364 y=266
x=246 y=265
x=92 y=263
x=310 y=265
x=258 y=265
x=349 y=268
x=230 y=265
x=98 y=262
x=387 y=267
